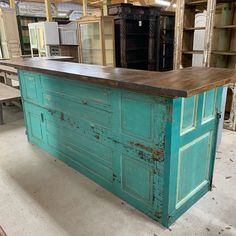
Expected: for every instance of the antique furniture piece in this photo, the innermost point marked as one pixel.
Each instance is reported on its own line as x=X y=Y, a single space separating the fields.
x=44 y=37
x=96 y=40
x=136 y=35
x=69 y=42
x=9 y=35
x=23 y=21
x=7 y=94
x=148 y=137
x=166 y=48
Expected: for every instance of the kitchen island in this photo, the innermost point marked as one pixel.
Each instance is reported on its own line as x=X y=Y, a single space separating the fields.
x=148 y=137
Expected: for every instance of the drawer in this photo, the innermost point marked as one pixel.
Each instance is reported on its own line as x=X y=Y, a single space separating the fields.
x=85 y=93
x=75 y=110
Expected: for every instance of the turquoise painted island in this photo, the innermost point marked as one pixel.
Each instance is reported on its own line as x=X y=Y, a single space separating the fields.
x=148 y=137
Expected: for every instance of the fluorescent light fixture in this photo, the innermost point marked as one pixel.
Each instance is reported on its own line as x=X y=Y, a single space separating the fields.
x=164 y=3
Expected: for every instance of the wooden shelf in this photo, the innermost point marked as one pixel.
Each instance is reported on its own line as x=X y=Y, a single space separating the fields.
x=224 y=53
x=137 y=48
x=194 y=28
x=226 y=27
x=136 y=61
x=136 y=34
x=195 y=3
x=170 y=29
x=193 y=52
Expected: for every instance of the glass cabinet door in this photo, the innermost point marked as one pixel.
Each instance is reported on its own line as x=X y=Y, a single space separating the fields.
x=109 y=44
x=41 y=39
x=91 y=49
x=33 y=37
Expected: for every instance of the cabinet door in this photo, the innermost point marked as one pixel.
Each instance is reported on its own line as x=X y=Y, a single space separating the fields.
x=91 y=47
x=10 y=35
x=31 y=87
x=34 y=117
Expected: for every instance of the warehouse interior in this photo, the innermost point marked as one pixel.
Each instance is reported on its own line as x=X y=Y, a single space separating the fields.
x=117 y=117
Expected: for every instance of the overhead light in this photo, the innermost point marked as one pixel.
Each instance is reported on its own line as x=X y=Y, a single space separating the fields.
x=164 y=3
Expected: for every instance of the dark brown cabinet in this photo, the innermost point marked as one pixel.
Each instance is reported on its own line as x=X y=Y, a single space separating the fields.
x=136 y=33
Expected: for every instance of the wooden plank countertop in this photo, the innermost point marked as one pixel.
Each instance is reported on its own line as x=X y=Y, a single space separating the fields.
x=177 y=83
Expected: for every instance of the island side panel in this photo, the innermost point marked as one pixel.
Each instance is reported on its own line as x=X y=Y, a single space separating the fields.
x=193 y=147
x=113 y=136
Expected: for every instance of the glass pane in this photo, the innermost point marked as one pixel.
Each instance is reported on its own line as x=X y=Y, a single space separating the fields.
x=33 y=37
x=109 y=44
x=41 y=39
x=91 y=43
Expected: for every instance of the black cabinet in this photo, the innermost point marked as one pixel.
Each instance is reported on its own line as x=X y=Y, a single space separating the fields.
x=136 y=33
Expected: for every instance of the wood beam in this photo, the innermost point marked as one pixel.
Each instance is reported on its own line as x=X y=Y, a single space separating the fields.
x=12 y=4
x=48 y=10
x=85 y=7
x=179 y=28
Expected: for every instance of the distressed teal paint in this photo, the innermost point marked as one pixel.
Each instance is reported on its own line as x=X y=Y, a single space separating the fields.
x=188 y=114
x=208 y=105
x=189 y=162
x=154 y=152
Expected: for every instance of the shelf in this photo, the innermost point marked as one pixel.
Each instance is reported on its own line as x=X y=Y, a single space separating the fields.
x=136 y=61
x=170 y=29
x=195 y=3
x=194 y=28
x=224 y=53
x=193 y=52
x=138 y=48
x=226 y=27
x=24 y=27
x=93 y=49
x=137 y=34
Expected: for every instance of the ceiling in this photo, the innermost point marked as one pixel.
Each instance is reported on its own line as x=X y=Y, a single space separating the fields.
x=97 y=3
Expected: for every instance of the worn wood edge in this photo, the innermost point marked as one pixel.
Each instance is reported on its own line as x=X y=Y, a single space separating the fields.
x=113 y=83
x=211 y=86
x=141 y=88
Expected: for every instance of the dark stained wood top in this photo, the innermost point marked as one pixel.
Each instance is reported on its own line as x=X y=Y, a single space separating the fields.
x=177 y=83
x=8 y=93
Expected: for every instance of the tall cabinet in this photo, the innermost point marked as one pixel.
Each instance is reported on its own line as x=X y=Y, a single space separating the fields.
x=136 y=35
x=9 y=35
x=96 y=40
x=166 y=49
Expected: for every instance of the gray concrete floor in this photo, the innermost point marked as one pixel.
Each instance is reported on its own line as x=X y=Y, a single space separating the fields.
x=40 y=196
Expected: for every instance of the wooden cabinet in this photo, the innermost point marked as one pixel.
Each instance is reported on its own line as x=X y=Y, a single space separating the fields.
x=96 y=40
x=9 y=35
x=137 y=35
x=166 y=49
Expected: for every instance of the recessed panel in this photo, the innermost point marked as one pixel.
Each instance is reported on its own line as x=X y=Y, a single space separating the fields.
x=188 y=114
x=97 y=96
x=137 y=118
x=75 y=109
x=193 y=167
x=209 y=105
x=35 y=126
x=137 y=179
x=31 y=87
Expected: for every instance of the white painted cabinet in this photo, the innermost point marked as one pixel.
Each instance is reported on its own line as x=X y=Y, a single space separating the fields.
x=44 y=37
x=69 y=34
x=9 y=35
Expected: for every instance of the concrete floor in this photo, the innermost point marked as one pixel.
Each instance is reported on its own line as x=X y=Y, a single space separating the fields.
x=40 y=196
